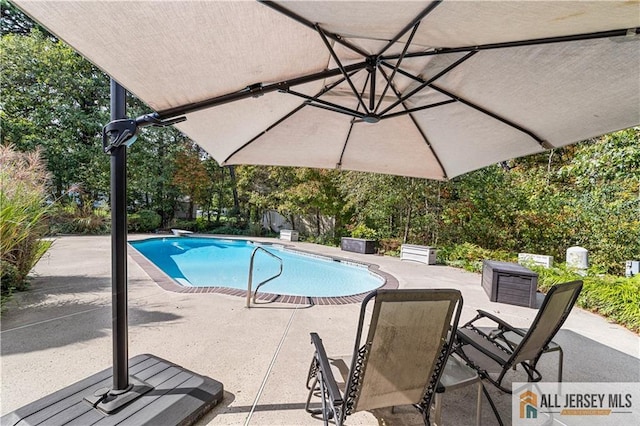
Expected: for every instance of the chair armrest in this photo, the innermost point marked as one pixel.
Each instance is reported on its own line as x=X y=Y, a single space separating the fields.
x=503 y=324
x=325 y=369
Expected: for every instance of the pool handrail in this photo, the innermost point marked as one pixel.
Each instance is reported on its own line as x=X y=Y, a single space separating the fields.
x=250 y=280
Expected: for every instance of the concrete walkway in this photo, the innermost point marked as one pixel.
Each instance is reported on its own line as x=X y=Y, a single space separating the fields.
x=60 y=332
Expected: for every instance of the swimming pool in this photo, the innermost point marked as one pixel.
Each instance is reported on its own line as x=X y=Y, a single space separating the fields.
x=218 y=262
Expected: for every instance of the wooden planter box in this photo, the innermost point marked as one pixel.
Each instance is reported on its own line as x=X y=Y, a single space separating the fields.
x=358 y=245
x=509 y=283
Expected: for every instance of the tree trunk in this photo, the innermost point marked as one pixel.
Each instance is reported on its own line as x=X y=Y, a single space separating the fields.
x=236 y=201
x=407 y=226
x=292 y=219
x=190 y=212
x=318 y=224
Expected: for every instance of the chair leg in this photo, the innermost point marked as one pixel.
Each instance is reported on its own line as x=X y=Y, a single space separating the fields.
x=493 y=406
x=479 y=404
x=325 y=412
x=560 y=361
x=313 y=371
x=437 y=408
x=312 y=389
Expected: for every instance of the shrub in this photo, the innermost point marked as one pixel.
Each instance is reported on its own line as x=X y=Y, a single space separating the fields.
x=616 y=298
x=187 y=225
x=71 y=219
x=363 y=231
x=327 y=239
x=255 y=230
x=390 y=246
x=23 y=210
x=470 y=256
x=144 y=221
x=229 y=230
x=9 y=279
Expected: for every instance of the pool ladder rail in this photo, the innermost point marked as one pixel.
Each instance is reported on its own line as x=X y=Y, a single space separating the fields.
x=250 y=280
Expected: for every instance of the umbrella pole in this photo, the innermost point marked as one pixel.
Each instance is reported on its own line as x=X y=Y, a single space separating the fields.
x=119 y=246
x=118 y=134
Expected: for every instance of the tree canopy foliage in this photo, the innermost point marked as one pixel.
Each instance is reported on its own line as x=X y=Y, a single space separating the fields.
x=54 y=100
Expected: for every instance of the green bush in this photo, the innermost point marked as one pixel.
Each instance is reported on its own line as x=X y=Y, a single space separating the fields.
x=470 y=256
x=615 y=298
x=23 y=211
x=144 y=221
x=324 y=239
x=71 y=219
x=389 y=246
x=201 y=225
x=255 y=230
x=363 y=231
x=9 y=279
x=187 y=225
x=229 y=230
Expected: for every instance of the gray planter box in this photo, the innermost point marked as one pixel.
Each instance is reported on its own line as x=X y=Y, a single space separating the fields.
x=509 y=283
x=358 y=245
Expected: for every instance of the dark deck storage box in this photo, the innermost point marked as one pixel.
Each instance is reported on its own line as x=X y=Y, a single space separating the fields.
x=358 y=245
x=509 y=283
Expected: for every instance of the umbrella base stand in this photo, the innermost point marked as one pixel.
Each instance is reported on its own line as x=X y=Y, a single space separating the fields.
x=109 y=401
x=162 y=393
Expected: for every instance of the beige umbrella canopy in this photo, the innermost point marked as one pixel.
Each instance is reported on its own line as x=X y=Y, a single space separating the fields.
x=427 y=89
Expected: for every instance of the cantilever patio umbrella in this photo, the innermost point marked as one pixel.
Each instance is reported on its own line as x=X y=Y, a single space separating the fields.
x=426 y=89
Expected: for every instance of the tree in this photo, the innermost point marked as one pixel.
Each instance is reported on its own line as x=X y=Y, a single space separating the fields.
x=13 y=21
x=399 y=208
x=222 y=193
x=151 y=161
x=191 y=176
x=604 y=200
x=53 y=99
x=312 y=192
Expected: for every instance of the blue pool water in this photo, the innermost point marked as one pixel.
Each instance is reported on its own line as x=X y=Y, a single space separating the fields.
x=214 y=262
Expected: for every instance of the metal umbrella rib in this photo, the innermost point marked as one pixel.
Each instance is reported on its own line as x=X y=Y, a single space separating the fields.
x=417 y=126
x=311 y=25
x=291 y=113
x=468 y=103
x=426 y=83
x=523 y=43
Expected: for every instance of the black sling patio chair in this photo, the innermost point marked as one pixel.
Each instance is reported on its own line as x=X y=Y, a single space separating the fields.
x=398 y=362
x=505 y=347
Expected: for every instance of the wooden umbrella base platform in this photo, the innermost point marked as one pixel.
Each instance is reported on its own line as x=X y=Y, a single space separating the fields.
x=162 y=393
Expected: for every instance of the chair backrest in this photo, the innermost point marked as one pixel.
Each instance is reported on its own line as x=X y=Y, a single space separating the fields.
x=552 y=314
x=405 y=348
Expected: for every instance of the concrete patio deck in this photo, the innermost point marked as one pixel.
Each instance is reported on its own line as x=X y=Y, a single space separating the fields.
x=60 y=332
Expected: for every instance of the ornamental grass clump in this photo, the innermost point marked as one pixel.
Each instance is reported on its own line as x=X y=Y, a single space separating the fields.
x=23 y=208
x=615 y=298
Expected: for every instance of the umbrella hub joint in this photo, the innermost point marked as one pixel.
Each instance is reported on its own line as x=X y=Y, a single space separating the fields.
x=372 y=62
x=371 y=118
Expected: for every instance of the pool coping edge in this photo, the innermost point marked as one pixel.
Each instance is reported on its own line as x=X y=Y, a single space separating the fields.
x=167 y=283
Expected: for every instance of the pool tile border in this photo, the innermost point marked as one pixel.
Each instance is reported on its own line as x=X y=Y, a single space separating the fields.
x=167 y=283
